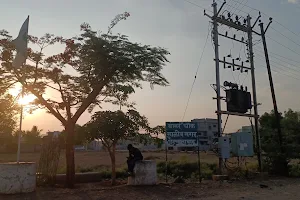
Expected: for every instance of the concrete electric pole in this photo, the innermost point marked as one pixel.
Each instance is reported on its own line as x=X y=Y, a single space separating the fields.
x=248 y=29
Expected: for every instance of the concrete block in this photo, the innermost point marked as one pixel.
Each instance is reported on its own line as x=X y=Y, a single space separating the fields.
x=17 y=178
x=144 y=173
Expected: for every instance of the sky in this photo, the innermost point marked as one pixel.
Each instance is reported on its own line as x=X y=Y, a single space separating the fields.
x=181 y=27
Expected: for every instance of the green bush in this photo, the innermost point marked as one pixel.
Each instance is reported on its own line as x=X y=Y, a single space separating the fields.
x=186 y=170
x=294 y=170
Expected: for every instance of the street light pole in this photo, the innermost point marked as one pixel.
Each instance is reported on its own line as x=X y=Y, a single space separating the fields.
x=20 y=128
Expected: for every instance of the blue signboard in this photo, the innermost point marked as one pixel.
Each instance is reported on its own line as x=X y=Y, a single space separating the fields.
x=181 y=134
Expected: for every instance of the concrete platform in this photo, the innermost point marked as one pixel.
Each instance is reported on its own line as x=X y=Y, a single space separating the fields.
x=144 y=173
x=17 y=177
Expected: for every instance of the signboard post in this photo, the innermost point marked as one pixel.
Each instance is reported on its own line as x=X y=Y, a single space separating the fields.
x=181 y=134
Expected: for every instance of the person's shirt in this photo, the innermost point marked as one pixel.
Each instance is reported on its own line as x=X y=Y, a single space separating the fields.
x=135 y=153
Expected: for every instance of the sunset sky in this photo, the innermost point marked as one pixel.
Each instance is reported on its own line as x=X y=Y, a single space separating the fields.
x=181 y=27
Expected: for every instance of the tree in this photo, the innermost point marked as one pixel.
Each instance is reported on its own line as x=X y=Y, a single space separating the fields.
x=80 y=137
x=8 y=111
x=156 y=131
x=111 y=127
x=92 y=69
x=33 y=136
x=290 y=122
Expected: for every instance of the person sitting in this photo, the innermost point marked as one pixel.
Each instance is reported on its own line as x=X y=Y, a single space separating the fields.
x=134 y=156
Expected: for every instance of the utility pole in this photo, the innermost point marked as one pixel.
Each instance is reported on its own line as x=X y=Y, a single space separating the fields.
x=250 y=46
x=246 y=28
x=271 y=82
x=218 y=86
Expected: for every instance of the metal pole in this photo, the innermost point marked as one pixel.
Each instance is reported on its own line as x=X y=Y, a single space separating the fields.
x=199 y=164
x=166 y=145
x=216 y=44
x=20 y=128
x=250 y=46
x=271 y=86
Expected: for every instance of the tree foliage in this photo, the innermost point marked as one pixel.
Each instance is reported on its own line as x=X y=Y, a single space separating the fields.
x=290 y=125
x=8 y=111
x=111 y=127
x=94 y=67
x=33 y=136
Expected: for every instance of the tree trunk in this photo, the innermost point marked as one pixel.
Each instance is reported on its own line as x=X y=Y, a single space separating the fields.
x=112 y=154
x=70 y=174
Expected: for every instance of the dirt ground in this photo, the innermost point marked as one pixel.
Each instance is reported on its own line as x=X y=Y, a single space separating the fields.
x=276 y=189
x=89 y=159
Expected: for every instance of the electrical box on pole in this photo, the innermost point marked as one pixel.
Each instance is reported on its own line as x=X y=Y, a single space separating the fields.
x=224 y=147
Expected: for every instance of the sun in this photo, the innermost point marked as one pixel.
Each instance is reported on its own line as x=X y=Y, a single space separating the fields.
x=27 y=99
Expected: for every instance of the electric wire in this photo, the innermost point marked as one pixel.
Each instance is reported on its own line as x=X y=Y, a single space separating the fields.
x=198 y=5
x=283 y=45
x=196 y=73
x=296 y=68
x=279 y=66
x=280 y=72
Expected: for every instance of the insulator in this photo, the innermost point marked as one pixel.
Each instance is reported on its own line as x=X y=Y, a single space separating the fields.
x=246 y=88
x=242 y=39
x=237 y=18
x=247 y=61
x=234 y=36
x=245 y=21
x=226 y=33
x=229 y=66
x=229 y=56
x=246 y=70
x=238 y=68
x=228 y=14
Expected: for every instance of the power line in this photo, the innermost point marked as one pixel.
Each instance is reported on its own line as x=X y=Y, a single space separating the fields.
x=283 y=57
x=197 y=5
x=280 y=72
x=283 y=45
x=188 y=101
x=284 y=36
x=274 y=63
x=297 y=69
x=297 y=34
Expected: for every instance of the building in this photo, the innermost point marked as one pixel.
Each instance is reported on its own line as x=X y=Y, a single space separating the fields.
x=208 y=132
x=246 y=129
x=95 y=145
x=53 y=134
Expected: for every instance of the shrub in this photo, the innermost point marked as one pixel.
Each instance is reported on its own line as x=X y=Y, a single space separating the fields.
x=294 y=170
x=186 y=170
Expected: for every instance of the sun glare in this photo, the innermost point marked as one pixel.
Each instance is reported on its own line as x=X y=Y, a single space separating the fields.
x=16 y=92
x=26 y=99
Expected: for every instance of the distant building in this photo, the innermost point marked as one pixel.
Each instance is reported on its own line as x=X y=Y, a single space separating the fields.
x=247 y=129
x=208 y=132
x=95 y=145
x=53 y=134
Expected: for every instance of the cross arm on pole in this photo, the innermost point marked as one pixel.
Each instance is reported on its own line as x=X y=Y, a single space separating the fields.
x=220 y=8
